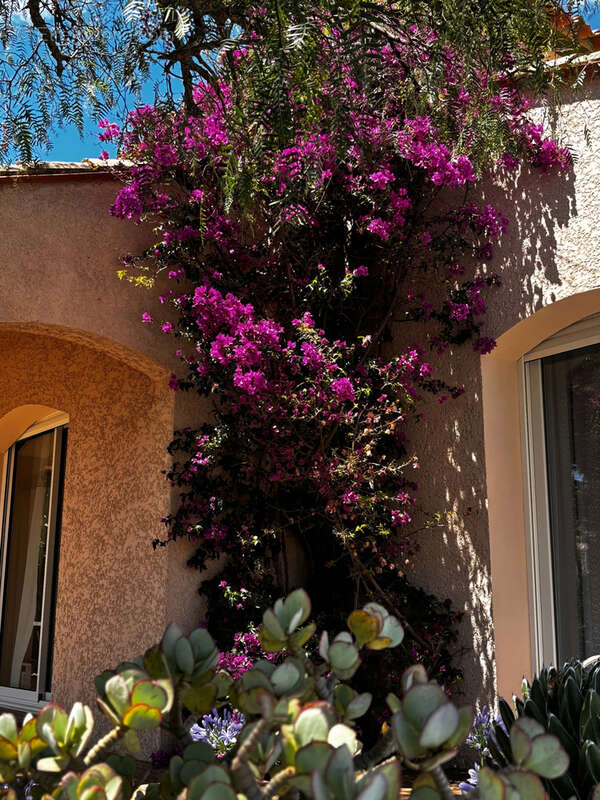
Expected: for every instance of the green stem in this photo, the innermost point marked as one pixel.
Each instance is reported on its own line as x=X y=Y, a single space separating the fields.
x=385 y=747
x=242 y=773
x=275 y=784
x=441 y=781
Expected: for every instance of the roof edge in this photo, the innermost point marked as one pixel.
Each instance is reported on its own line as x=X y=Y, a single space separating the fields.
x=88 y=168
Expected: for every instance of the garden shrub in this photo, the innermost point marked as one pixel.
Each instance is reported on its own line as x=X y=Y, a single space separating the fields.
x=564 y=702
x=297 y=736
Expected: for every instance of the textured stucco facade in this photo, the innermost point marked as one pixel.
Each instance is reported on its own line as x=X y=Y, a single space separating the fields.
x=472 y=461
x=71 y=340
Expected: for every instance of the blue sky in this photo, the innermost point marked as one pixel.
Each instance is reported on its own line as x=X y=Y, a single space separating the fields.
x=594 y=19
x=69 y=146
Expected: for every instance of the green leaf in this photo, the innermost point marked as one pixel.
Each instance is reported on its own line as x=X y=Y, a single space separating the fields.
x=108 y=711
x=393 y=631
x=155 y=664
x=490 y=785
x=141 y=717
x=302 y=635
x=8 y=728
x=421 y=701
x=376 y=788
x=199 y=698
x=8 y=750
x=547 y=758
x=313 y=756
x=151 y=694
x=296 y=610
x=312 y=724
x=393 y=776
x=93 y=793
x=202 y=643
x=170 y=638
x=118 y=695
x=184 y=655
x=131 y=742
x=528 y=785
x=212 y=775
x=465 y=723
x=339 y=773
x=285 y=677
x=273 y=626
x=343 y=657
x=364 y=626
x=199 y=751
x=439 y=726
x=406 y=736
x=359 y=705
x=343 y=735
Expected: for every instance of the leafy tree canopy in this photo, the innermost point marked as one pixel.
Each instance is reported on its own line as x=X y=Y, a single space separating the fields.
x=63 y=60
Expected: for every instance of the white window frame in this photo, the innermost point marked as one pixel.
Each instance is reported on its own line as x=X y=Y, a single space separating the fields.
x=537 y=514
x=21 y=699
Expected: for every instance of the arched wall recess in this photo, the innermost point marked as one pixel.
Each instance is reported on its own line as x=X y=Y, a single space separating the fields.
x=18 y=420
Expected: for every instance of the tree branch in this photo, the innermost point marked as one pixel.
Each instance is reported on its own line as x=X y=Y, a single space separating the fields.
x=33 y=6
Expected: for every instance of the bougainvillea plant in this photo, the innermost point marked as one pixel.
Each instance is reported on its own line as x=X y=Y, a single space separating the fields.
x=319 y=245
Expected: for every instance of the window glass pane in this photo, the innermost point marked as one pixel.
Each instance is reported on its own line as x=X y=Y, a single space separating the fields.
x=25 y=562
x=571 y=383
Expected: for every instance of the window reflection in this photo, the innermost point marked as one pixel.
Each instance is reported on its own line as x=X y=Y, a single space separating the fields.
x=26 y=562
x=571 y=384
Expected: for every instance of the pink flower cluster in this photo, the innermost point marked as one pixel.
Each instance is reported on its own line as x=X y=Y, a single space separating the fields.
x=288 y=273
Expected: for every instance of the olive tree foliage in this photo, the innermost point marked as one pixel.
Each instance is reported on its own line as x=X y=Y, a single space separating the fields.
x=64 y=61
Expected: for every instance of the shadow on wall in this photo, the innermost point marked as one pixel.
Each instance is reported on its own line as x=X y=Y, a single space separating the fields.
x=537 y=266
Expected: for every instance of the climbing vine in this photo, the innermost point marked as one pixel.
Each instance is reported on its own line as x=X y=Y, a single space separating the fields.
x=321 y=245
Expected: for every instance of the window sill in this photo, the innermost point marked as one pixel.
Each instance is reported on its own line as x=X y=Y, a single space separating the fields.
x=21 y=701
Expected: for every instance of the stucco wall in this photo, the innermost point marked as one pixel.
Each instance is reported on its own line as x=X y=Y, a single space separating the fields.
x=71 y=338
x=60 y=254
x=112 y=587
x=551 y=253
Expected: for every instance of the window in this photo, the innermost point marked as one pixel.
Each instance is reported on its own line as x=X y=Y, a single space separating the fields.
x=31 y=496
x=562 y=396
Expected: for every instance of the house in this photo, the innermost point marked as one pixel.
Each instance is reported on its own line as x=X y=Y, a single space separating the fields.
x=85 y=418
x=86 y=415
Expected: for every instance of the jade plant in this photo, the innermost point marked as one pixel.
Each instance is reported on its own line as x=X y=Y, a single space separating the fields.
x=299 y=736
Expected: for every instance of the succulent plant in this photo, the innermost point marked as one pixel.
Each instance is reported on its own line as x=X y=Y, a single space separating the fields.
x=566 y=704
x=428 y=727
x=298 y=735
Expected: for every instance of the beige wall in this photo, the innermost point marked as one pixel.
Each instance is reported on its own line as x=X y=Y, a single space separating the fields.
x=112 y=588
x=472 y=463
x=58 y=262
x=71 y=339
